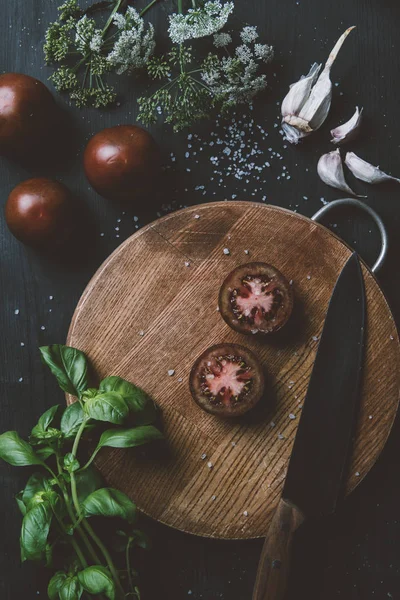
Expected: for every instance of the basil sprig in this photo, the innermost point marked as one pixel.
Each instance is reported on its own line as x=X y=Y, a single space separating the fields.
x=63 y=503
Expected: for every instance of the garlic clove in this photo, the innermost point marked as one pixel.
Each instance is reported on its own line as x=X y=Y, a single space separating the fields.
x=308 y=115
x=347 y=131
x=299 y=92
x=330 y=170
x=365 y=171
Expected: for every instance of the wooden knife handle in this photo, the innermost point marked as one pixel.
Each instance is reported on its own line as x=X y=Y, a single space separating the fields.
x=273 y=568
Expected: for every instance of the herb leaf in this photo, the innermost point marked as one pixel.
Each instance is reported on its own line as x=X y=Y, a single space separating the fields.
x=139 y=403
x=70 y=589
x=46 y=418
x=16 y=451
x=35 y=529
x=141 y=539
x=107 y=406
x=55 y=584
x=97 y=580
x=69 y=366
x=87 y=481
x=129 y=438
x=71 y=420
x=108 y=502
x=71 y=464
x=21 y=504
x=36 y=483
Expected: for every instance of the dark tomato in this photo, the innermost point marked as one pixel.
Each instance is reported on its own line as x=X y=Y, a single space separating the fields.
x=27 y=114
x=38 y=212
x=227 y=380
x=256 y=298
x=122 y=162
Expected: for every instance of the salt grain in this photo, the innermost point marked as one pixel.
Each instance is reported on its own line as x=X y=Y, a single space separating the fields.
x=246 y=514
x=292 y=416
x=187 y=263
x=370 y=417
x=280 y=436
x=197 y=216
x=171 y=372
x=203 y=456
x=391 y=337
x=21 y=379
x=233 y=444
x=315 y=338
x=226 y=251
x=272 y=424
x=308 y=276
x=22 y=344
x=51 y=297
x=180 y=379
x=141 y=332
x=43 y=328
x=210 y=465
x=213 y=497
x=357 y=474
x=246 y=252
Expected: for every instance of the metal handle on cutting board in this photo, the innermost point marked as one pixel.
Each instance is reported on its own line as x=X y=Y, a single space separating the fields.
x=378 y=221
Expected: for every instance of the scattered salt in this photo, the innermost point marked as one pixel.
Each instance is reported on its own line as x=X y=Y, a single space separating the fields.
x=20 y=379
x=141 y=332
x=308 y=276
x=43 y=328
x=203 y=456
x=246 y=252
x=187 y=263
x=226 y=251
x=171 y=372
x=213 y=497
x=246 y=514
x=210 y=465
x=315 y=338
x=180 y=379
x=16 y=311
x=233 y=444
x=357 y=474
x=272 y=424
x=51 y=297
x=280 y=436
x=22 y=344
x=197 y=216
x=292 y=416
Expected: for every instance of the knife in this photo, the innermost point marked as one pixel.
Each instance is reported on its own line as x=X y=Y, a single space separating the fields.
x=320 y=452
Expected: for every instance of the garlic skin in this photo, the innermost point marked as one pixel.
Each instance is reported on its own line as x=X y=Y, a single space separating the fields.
x=330 y=170
x=364 y=171
x=307 y=104
x=347 y=131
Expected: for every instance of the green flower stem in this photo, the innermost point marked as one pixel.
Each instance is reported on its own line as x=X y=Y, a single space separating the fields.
x=111 y=17
x=76 y=524
x=91 y=459
x=180 y=6
x=146 y=8
x=85 y=524
x=72 y=541
x=128 y=564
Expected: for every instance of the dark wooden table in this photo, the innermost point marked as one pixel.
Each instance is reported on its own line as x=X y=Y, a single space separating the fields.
x=356 y=553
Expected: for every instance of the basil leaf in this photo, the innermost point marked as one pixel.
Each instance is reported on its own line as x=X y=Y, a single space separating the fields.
x=35 y=529
x=139 y=403
x=87 y=481
x=48 y=417
x=71 y=420
x=141 y=539
x=97 y=580
x=71 y=464
x=55 y=584
x=48 y=555
x=107 y=406
x=108 y=502
x=69 y=366
x=129 y=438
x=71 y=589
x=38 y=482
x=44 y=452
x=16 y=451
x=20 y=503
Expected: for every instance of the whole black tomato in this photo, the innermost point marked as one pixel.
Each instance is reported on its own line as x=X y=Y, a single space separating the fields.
x=39 y=212
x=256 y=298
x=227 y=380
x=122 y=163
x=27 y=114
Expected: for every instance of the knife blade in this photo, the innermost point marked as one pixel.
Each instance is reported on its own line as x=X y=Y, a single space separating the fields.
x=320 y=451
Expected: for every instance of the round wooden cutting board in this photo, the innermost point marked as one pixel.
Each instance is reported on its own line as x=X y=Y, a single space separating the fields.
x=152 y=307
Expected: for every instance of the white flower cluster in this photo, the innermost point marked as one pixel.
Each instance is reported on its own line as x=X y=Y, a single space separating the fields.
x=236 y=79
x=135 y=43
x=222 y=39
x=87 y=37
x=199 y=22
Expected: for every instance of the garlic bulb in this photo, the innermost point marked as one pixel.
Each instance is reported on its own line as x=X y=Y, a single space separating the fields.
x=308 y=101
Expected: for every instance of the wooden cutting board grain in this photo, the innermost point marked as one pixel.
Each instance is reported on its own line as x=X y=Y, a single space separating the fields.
x=152 y=307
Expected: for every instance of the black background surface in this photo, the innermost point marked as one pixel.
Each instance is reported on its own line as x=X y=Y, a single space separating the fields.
x=356 y=553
